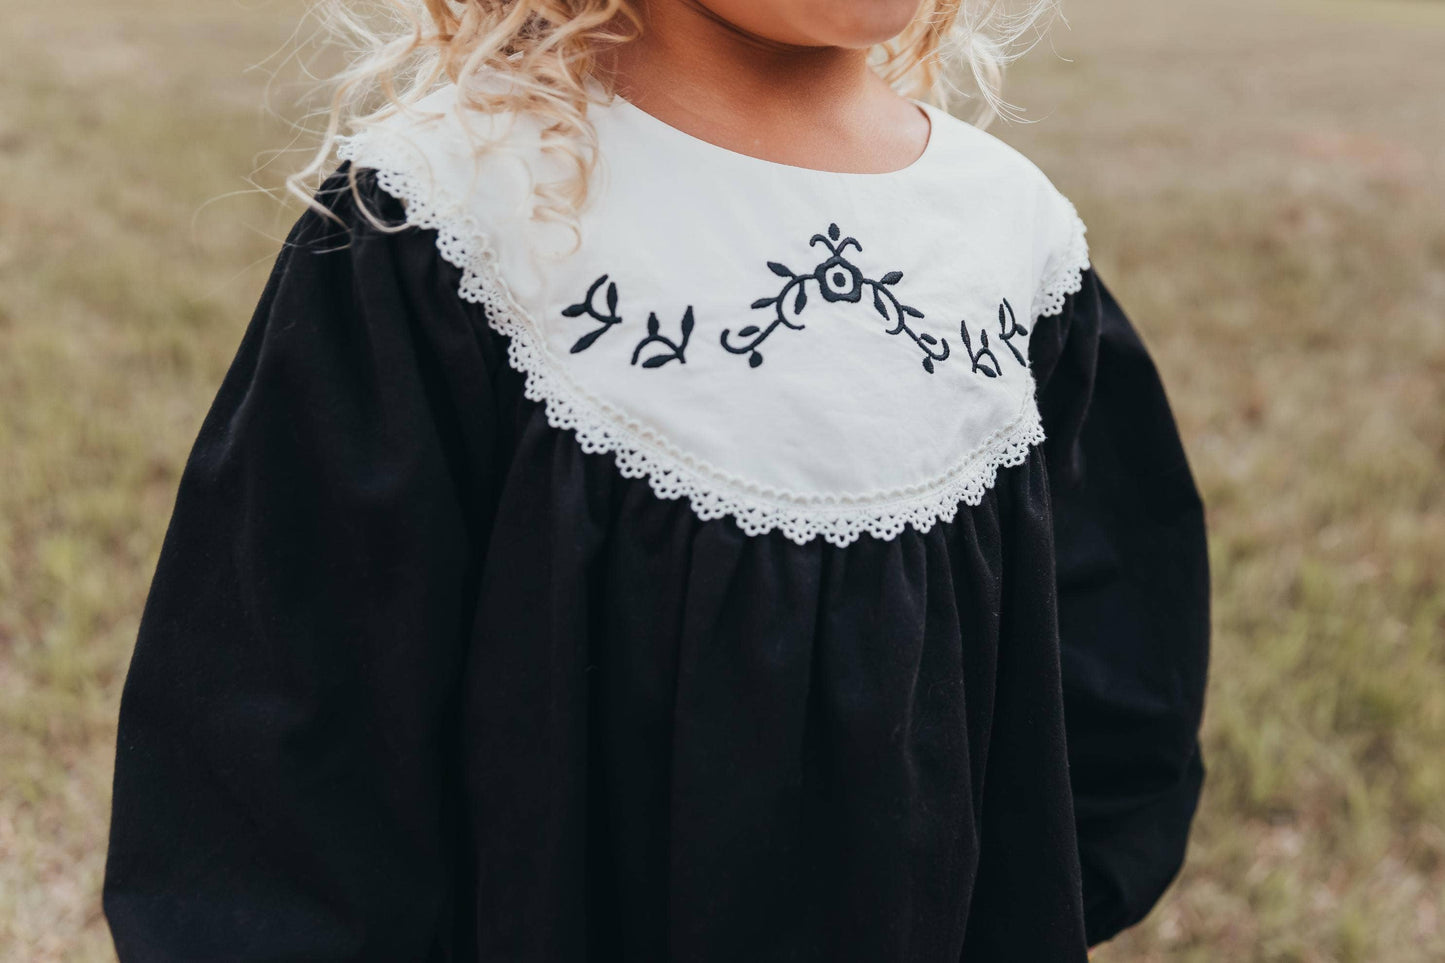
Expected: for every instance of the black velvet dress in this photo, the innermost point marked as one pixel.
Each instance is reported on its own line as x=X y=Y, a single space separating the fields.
x=421 y=679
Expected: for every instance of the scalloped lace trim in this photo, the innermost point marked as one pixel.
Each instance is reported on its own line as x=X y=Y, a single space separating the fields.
x=1066 y=272
x=639 y=452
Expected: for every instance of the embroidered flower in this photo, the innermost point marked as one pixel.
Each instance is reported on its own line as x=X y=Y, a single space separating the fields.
x=839 y=280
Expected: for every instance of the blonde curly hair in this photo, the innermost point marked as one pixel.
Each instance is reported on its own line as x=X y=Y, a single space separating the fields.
x=548 y=52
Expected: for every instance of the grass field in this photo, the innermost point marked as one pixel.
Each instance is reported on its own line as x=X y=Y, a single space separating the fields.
x=1264 y=184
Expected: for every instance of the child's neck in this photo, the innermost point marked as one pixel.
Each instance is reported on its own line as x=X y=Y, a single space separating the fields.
x=820 y=107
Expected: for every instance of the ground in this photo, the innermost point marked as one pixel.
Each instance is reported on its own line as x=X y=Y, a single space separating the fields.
x=1263 y=184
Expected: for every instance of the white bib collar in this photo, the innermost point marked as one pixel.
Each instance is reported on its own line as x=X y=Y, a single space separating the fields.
x=821 y=353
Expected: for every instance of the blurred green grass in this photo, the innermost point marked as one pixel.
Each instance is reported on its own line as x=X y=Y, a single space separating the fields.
x=1263 y=187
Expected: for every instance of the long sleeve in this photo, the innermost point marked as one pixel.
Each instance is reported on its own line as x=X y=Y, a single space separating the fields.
x=1133 y=594
x=285 y=783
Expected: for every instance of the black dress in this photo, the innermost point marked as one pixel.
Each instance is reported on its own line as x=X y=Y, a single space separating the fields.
x=420 y=678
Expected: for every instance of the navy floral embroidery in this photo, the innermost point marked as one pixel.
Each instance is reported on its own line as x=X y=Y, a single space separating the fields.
x=588 y=307
x=985 y=362
x=1008 y=326
x=837 y=279
x=654 y=336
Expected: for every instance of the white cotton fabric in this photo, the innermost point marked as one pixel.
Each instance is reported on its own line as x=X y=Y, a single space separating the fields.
x=839 y=429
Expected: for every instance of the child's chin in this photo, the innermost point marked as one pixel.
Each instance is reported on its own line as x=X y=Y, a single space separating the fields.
x=857 y=23
x=854 y=24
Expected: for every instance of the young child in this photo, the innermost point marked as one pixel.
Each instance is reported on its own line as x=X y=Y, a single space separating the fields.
x=678 y=499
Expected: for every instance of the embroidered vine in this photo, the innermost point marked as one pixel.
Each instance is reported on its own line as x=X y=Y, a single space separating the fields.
x=606 y=321
x=984 y=361
x=653 y=335
x=587 y=307
x=837 y=279
x=1008 y=326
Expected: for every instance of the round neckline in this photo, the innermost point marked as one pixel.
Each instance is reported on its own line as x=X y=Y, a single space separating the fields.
x=662 y=127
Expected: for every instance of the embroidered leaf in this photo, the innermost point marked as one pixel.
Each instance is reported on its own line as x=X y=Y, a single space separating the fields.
x=749 y=331
x=801 y=300
x=657 y=361
x=833 y=231
x=928 y=365
x=764 y=302
x=687 y=324
x=652 y=325
x=1008 y=324
x=983 y=339
x=574 y=310
x=878 y=303
x=585 y=342
x=780 y=270
x=612 y=298
x=754 y=360
x=913 y=311
x=927 y=339
x=989 y=372
x=892 y=277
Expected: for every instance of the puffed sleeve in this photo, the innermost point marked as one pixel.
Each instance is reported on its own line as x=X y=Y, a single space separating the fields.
x=285 y=781
x=1133 y=592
